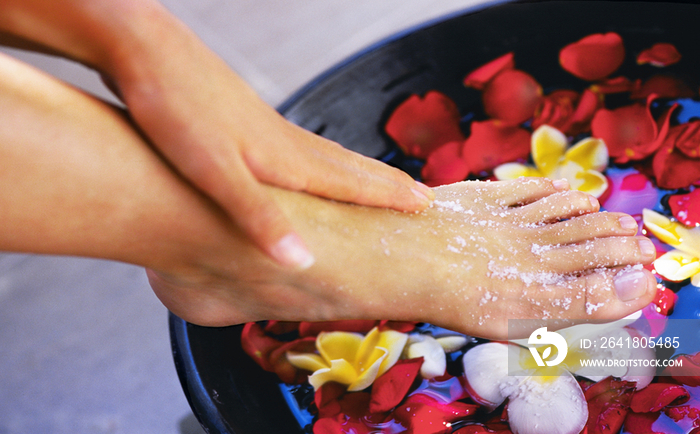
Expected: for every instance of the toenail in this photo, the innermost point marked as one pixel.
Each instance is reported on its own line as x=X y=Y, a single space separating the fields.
x=646 y=247
x=628 y=222
x=630 y=285
x=594 y=201
x=560 y=184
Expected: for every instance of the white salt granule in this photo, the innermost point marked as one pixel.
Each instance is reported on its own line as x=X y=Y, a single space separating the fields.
x=590 y=307
x=449 y=204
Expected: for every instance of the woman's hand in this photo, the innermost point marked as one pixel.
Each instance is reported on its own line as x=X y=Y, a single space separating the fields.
x=205 y=120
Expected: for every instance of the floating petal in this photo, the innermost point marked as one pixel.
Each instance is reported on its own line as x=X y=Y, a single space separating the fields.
x=481 y=76
x=434 y=360
x=338 y=345
x=445 y=165
x=548 y=146
x=677 y=266
x=512 y=96
x=340 y=371
x=515 y=171
x=590 y=153
x=593 y=57
x=659 y=55
x=492 y=143
x=485 y=366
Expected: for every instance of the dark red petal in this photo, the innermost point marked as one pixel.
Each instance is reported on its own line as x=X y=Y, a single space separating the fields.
x=689 y=373
x=355 y=404
x=281 y=327
x=326 y=399
x=688 y=141
x=630 y=132
x=686 y=207
x=664 y=86
x=390 y=389
x=665 y=300
x=661 y=54
x=328 y=425
x=641 y=423
x=593 y=57
x=673 y=169
x=580 y=121
x=614 y=85
x=399 y=326
x=656 y=396
x=556 y=109
x=258 y=345
x=512 y=96
x=307 y=328
x=608 y=404
x=445 y=165
x=480 y=77
x=492 y=143
x=421 y=125
x=287 y=372
x=422 y=414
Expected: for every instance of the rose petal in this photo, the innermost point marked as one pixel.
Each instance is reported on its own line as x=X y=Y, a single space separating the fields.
x=687 y=140
x=630 y=132
x=399 y=326
x=673 y=169
x=641 y=423
x=688 y=373
x=665 y=300
x=657 y=396
x=326 y=399
x=512 y=96
x=608 y=404
x=593 y=57
x=614 y=85
x=630 y=192
x=686 y=207
x=258 y=345
x=568 y=111
x=480 y=77
x=424 y=414
x=663 y=86
x=390 y=389
x=580 y=121
x=307 y=328
x=661 y=54
x=445 y=165
x=421 y=125
x=492 y=143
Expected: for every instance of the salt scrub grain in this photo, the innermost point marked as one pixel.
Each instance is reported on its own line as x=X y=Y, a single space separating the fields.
x=451 y=205
x=590 y=307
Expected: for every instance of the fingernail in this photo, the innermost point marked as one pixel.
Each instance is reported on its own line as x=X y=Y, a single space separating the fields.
x=427 y=191
x=646 y=247
x=560 y=184
x=630 y=285
x=420 y=195
x=290 y=251
x=628 y=222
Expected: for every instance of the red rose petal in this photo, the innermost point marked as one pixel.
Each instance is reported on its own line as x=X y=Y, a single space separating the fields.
x=665 y=300
x=326 y=399
x=399 y=326
x=421 y=125
x=556 y=109
x=608 y=404
x=307 y=328
x=445 y=165
x=492 y=143
x=258 y=345
x=663 y=86
x=593 y=57
x=422 y=414
x=287 y=372
x=686 y=207
x=689 y=373
x=480 y=77
x=688 y=139
x=512 y=96
x=390 y=389
x=656 y=396
x=673 y=169
x=327 y=425
x=641 y=423
x=630 y=132
x=615 y=85
x=661 y=54
x=281 y=327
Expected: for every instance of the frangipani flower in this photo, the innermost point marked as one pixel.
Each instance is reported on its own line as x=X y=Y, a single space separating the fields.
x=548 y=399
x=351 y=358
x=581 y=164
x=683 y=262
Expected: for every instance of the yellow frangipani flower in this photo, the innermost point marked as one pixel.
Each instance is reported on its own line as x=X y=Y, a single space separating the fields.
x=683 y=262
x=350 y=358
x=581 y=164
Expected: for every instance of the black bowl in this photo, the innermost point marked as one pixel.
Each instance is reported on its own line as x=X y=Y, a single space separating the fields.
x=228 y=392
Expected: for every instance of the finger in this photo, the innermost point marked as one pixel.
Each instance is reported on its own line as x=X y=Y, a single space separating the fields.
x=558 y=206
x=257 y=214
x=525 y=190
x=586 y=227
x=597 y=253
x=324 y=168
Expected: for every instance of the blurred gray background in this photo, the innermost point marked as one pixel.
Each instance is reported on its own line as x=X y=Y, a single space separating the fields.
x=84 y=345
